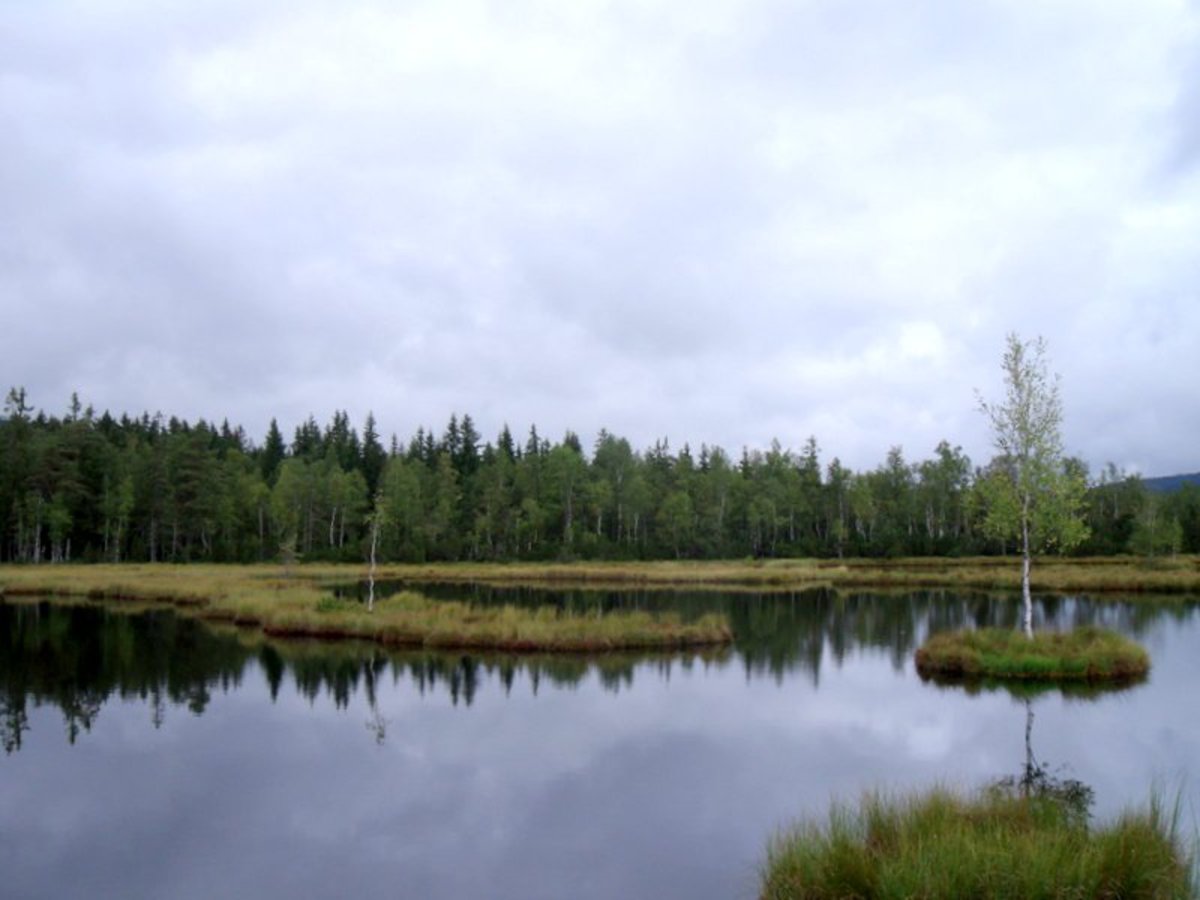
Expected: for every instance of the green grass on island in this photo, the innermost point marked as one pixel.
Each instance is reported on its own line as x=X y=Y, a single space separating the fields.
x=1085 y=654
x=996 y=844
x=304 y=606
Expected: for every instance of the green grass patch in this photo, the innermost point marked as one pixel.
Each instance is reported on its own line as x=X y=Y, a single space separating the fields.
x=1084 y=654
x=996 y=844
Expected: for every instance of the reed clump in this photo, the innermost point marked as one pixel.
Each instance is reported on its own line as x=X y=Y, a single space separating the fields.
x=995 y=844
x=1087 y=653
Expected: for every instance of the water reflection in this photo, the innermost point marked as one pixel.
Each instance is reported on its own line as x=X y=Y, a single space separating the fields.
x=780 y=633
x=338 y=770
x=77 y=657
x=1038 y=780
x=1029 y=689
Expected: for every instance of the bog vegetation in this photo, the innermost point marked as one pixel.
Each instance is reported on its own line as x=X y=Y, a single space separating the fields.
x=998 y=844
x=98 y=487
x=259 y=597
x=1086 y=653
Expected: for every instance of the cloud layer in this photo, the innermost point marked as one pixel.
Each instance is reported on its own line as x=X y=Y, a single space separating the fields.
x=718 y=222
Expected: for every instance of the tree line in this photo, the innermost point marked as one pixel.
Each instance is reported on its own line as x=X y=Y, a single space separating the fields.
x=94 y=487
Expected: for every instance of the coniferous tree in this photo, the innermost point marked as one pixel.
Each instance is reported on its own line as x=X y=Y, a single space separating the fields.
x=272 y=455
x=89 y=487
x=373 y=456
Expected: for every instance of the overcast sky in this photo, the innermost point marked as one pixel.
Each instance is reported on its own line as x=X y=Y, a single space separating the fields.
x=715 y=222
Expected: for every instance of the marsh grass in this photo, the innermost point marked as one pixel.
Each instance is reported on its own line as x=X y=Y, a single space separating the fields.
x=996 y=844
x=300 y=607
x=1178 y=575
x=290 y=599
x=1084 y=654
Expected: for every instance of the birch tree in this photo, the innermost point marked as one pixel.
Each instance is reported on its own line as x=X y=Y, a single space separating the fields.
x=1038 y=500
x=376 y=520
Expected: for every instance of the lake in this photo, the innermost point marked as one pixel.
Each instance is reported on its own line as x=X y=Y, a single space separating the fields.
x=148 y=755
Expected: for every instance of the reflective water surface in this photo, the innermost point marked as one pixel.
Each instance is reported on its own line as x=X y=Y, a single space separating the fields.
x=147 y=755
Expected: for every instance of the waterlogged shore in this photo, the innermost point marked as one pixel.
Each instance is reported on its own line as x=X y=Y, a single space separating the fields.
x=298 y=601
x=298 y=605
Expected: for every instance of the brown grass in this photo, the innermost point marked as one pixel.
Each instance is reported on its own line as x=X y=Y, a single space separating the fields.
x=1093 y=575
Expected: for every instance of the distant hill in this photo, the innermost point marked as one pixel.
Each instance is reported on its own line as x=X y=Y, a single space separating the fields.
x=1169 y=483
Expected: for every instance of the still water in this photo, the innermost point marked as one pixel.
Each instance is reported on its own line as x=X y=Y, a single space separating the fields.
x=146 y=755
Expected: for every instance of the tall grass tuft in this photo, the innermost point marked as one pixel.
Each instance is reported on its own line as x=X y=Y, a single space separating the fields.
x=995 y=844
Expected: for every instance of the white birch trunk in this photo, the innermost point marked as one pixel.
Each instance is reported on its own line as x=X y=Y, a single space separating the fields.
x=1027 y=616
x=371 y=570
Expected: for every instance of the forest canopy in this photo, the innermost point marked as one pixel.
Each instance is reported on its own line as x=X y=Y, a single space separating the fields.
x=88 y=486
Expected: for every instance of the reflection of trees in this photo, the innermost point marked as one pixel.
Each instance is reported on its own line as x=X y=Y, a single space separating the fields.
x=1023 y=690
x=76 y=658
x=340 y=671
x=377 y=724
x=14 y=722
x=1037 y=780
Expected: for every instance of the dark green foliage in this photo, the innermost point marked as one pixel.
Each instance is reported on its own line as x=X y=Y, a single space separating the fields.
x=373 y=456
x=83 y=487
x=272 y=454
x=1184 y=507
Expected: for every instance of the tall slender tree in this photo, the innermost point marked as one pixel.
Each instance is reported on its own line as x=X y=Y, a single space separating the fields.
x=1037 y=500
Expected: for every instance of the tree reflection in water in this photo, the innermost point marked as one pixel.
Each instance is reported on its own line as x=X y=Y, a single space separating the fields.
x=77 y=656
x=1038 y=780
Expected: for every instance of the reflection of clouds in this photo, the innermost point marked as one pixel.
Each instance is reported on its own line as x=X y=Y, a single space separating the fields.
x=929 y=740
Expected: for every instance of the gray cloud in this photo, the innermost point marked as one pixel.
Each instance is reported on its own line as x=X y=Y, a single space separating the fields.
x=717 y=222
